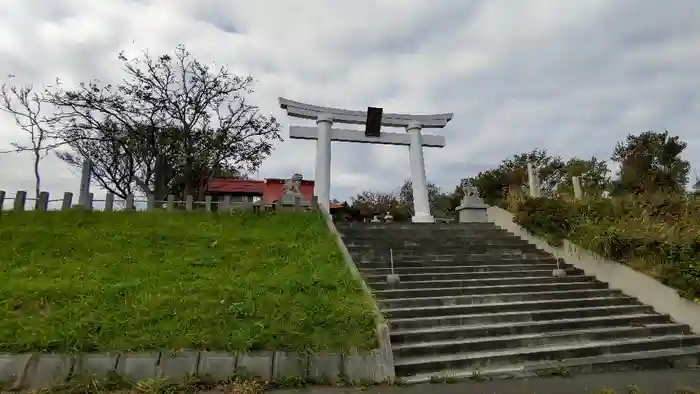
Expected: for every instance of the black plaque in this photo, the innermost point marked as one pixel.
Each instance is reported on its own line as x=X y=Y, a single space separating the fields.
x=373 y=125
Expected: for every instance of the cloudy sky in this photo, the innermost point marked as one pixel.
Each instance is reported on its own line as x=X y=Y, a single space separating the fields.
x=572 y=77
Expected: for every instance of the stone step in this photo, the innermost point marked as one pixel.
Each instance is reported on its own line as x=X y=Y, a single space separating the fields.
x=439 y=250
x=485 y=290
x=408 y=234
x=414 y=365
x=416 y=227
x=363 y=240
x=502 y=307
x=526 y=327
x=481 y=282
x=479 y=299
x=454 y=346
x=446 y=242
x=648 y=359
x=446 y=269
x=422 y=238
x=433 y=276
x=490 y=256
x=517 y=316
x=475 y=261
x=439 y=256
x=413 y=246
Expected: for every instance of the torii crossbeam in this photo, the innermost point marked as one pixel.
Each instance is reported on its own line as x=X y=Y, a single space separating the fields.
x=373 y=119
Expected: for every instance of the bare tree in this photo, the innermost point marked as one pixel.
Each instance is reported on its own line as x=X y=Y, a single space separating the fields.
x=29 y=110
x=168 y=126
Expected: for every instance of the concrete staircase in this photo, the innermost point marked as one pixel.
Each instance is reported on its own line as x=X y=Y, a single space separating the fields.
x=475 y=301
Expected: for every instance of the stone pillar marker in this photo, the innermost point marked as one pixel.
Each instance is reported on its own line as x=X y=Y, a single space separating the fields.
x=533 y=181
x=85 y=179
x=373 y=119
x=472 y=209
x=576 y=182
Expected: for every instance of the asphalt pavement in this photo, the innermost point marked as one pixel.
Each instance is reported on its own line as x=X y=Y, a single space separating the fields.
x=670 y=381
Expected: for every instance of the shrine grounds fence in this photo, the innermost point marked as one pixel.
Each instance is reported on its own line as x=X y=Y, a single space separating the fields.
x=20 y=201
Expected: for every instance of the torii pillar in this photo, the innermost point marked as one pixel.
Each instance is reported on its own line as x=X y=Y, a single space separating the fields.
x=373 y=119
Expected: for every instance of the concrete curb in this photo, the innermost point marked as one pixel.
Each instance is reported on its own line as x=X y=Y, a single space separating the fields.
x=384 y=354
x=619 y=276
x=35 y=371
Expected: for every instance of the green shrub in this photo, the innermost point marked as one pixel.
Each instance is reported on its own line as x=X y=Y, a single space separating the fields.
x=661 y=232
x=545 y=217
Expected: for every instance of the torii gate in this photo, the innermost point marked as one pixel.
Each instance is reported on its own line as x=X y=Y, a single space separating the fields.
x=373 y=119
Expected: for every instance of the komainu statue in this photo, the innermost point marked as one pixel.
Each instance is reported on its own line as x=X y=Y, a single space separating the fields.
x=292 y=185
x=292 y=189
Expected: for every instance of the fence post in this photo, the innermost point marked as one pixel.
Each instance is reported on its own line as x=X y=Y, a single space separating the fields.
x=129 y=202
x=246 y=205
x=226 y=206
x=278 y=205
x=170 y=206
x=109 y=202
x=2 y=198
x=150 y=202
x=88 y=201
x=314 y=203
x=207 y=203
x=297 y=203
x=189 y=203
x=42 y=203
x=20 y=200
x=67 y=201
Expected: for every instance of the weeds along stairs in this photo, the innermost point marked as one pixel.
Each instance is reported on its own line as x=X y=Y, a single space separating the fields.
x=475 y=301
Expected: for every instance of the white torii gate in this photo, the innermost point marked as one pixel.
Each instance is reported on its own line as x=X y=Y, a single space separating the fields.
x=373 y=119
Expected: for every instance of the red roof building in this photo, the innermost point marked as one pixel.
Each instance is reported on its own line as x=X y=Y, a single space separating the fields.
x=269 y=190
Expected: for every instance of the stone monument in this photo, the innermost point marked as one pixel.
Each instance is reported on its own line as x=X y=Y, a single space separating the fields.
x=576 y=183
x=473 y=209
x=292 y=189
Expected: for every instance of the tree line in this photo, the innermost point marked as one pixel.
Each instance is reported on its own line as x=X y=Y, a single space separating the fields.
x=169 y=126
x=649 y=163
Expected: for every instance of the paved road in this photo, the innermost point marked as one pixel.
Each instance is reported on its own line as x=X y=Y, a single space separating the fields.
x=648 y=382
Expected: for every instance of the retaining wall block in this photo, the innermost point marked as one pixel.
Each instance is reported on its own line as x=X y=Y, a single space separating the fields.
x=365 y=367
x=12 y=370
x=290 y=365
x=325 y=367
x=138 y=366
x=178 y=366
x=45 y=370
x=219 y=365
x=94 y=364
x=256 y=364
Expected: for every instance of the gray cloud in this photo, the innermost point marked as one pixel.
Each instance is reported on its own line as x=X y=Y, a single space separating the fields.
x=571 y=77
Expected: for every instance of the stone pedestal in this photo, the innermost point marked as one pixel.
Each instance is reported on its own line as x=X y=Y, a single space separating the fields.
x=472 y=209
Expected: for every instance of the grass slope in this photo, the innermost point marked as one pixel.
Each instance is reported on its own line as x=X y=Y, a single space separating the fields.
x=96 y=281
x=655 y=234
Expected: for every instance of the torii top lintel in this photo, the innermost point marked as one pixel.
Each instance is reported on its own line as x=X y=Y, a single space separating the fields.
x=307 y=111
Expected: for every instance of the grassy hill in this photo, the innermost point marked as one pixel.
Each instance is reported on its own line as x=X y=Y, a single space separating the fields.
x=99 y=281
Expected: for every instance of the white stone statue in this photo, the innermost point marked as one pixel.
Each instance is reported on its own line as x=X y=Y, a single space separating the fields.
x=470 y=190
x=292 y=189
x=293 y=185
